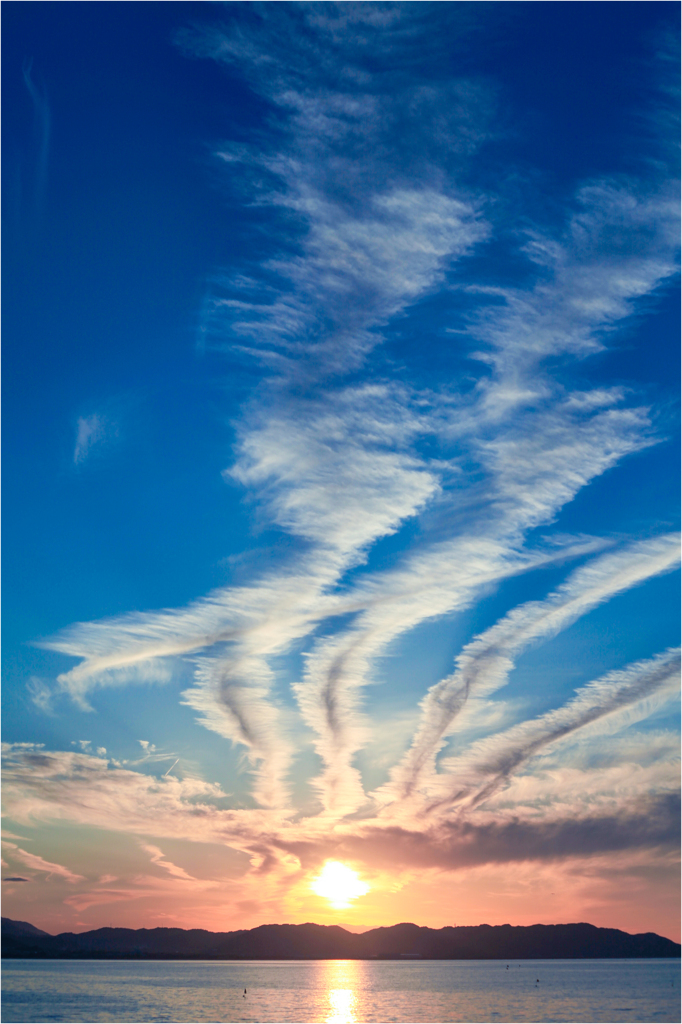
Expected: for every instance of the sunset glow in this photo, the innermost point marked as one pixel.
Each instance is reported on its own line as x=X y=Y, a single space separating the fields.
x=339 y=884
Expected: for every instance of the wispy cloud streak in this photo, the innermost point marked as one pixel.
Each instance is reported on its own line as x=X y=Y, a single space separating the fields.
x=32 y=860
x=485 y=663
x=476 y=776
x=41 y=139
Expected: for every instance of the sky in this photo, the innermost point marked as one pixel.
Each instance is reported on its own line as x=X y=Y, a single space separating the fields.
x=340 y=464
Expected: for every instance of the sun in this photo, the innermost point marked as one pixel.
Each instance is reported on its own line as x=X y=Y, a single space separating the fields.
x=339 y=884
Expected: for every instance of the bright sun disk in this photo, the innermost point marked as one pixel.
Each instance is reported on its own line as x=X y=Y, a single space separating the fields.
x=339 y=884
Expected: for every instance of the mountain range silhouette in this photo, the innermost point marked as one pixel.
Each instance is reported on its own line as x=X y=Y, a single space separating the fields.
x=331 y=942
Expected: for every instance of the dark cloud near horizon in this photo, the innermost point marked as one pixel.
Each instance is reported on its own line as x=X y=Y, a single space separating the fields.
x=650 y=824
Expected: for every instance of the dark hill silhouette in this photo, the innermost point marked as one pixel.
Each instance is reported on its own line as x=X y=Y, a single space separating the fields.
x=323 y=942
x=22 y=928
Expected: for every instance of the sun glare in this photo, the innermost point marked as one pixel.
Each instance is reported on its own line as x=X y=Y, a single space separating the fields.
x=339 y=884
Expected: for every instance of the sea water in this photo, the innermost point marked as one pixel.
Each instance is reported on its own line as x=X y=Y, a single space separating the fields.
x=341 y=991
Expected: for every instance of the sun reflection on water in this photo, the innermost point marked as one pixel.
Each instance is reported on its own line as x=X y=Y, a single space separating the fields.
x=341 y=1006
x=341 y=981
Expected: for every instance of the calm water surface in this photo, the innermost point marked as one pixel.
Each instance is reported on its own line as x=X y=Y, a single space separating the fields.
x=341 y=991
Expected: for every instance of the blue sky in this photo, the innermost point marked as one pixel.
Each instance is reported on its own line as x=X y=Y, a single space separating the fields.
x=340 y=458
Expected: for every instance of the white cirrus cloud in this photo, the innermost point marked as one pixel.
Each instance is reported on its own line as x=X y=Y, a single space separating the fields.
x=485 y=663
x=32 y=860
x=93 y=432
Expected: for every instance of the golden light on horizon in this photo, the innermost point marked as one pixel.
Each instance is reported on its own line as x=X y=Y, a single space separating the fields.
x=339 y=884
